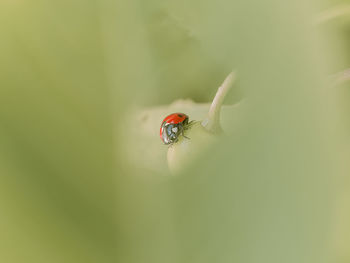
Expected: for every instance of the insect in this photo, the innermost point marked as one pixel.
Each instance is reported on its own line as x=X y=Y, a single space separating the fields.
x=173 y=126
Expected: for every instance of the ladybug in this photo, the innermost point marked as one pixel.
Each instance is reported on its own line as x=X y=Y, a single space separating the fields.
x=172 y=126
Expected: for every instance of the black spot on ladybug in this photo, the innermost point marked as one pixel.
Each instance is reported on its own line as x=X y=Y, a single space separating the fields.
x=180 y=115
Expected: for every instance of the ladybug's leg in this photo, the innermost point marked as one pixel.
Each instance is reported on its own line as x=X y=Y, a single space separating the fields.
x=182 y=132
x=188 y=125
x=186 y=136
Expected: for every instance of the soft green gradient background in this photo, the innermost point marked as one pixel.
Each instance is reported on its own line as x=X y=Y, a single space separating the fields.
x=275 y=190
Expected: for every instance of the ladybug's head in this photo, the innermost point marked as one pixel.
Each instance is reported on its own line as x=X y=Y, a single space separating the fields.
x=172 y=127
x=170 y=132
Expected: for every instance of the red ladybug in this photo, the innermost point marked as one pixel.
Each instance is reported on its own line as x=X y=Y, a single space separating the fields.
x=172 y=126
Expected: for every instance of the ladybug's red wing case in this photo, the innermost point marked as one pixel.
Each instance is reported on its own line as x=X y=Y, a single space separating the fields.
x=175 y=118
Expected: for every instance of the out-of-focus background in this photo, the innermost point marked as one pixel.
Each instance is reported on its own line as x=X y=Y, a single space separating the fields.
x=84 y=86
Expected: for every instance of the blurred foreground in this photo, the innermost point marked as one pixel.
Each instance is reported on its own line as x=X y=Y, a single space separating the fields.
x=83 y=87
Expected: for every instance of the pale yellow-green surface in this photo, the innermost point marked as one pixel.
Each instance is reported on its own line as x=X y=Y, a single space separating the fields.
x=84 y=85
x=142 y=126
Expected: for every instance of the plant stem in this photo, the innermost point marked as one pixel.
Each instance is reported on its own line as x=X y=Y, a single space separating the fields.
x=212 y=122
